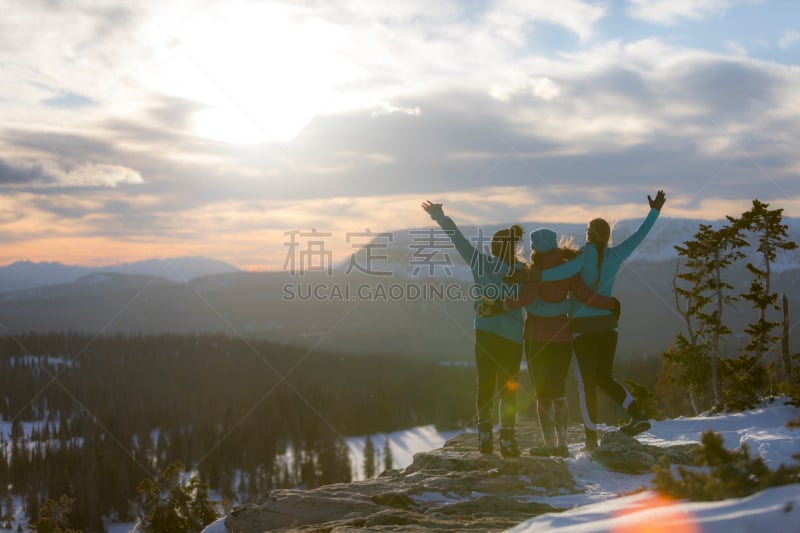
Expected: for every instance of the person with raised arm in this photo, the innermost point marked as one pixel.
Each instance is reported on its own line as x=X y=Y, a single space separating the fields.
x=594 y=330
x=548 y=347
x=498 y=339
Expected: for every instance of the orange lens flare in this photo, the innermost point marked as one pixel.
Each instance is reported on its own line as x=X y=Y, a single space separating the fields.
x=656 y=514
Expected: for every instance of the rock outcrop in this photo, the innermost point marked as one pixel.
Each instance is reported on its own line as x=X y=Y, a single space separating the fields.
x=452 y=488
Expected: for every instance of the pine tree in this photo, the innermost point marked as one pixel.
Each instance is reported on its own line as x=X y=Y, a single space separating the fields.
x=177 y=507
x=724 y=474
x=786 y=357
x=387 y=455
x=54 y=516
x=745 y=381
x=369 y=458
x=705 y=296
x=8 y=514
x=767 y=225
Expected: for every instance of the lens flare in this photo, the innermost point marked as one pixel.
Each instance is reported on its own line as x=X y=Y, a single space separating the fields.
x=656 y=514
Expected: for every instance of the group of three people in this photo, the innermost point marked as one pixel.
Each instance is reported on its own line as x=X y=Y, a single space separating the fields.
x=566 y=297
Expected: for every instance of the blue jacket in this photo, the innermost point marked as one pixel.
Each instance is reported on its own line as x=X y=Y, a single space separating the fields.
x=487 y=272
x=586 y=263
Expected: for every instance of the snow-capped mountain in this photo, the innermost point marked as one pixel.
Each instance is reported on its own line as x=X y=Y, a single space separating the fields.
x=26 y=274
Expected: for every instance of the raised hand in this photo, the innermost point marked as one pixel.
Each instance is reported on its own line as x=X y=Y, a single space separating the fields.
x=434 y=210
x=659 y=200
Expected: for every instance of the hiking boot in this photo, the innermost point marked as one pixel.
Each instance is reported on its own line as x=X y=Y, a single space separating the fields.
x=545 y=410
x=639 y=421
x=540 y=451
x=485 y=444
x=634 y=427
x=560 y=451
x=560 y=412
x=508 y=443
x=549 y=451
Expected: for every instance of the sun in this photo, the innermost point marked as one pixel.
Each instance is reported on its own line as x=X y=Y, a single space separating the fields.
x=261 y=73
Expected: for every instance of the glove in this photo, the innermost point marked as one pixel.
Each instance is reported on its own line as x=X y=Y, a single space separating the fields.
x=659 y=200
x=490 y=307
x=524 y=275
x=617 y=309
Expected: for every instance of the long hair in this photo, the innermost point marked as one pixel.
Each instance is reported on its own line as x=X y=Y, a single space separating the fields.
x=504 y=243
x=598 y=232
x=568 y=251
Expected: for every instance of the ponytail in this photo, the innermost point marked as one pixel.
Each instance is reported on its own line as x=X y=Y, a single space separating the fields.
x=599 y=233
x=600 y=256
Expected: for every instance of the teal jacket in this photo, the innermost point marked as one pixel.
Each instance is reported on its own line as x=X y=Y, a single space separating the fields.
x=487 y=273
x=600 y=279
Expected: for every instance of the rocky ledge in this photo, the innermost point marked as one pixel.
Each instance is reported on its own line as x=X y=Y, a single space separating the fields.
x=452 y=488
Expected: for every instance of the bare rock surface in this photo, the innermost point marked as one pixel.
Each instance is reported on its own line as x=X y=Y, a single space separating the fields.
x=453 y=488
x=621 y=453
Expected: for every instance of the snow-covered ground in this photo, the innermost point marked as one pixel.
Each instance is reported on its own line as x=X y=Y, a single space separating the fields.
x=601 y=509
x=600 y=506
x=404 y=444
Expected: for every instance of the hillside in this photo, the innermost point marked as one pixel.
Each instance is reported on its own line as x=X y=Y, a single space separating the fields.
x=316 y=308
x=456 y=488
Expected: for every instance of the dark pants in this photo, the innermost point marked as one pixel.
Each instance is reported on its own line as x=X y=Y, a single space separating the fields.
x=548 y=364
x=497 y=360
x=595 y=355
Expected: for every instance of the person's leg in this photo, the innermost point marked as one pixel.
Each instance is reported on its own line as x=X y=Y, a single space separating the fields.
x=487 y=377
x=555 y=360
x=561 y=354
x=508 y=355
x=561 y=415
x=607 y=346
x=585 y=356
x=550 y=362
x=535 y=356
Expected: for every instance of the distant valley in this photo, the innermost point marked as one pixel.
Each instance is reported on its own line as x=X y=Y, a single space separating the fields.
x=149 y=298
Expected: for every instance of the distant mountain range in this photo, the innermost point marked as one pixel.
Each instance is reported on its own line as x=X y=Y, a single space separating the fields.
x=26 y=274
x=196 y=295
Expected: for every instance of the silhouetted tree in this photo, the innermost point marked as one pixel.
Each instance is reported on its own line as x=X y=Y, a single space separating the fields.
x=768 y=227
x=369 y=458
x=705 y=295
x=388 y=461
x=177 y=507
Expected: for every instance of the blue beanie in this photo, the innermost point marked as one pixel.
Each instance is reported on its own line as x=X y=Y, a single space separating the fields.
x=543 y=240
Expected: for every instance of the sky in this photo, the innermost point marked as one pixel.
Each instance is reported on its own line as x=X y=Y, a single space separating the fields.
x=167 y=128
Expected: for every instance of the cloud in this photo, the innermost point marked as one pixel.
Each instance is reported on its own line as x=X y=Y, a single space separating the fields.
x=736 y=47
x=28 y=175
x=670 y=12
x=49 y=174
x=394 y=104
x=788 y=40
x=100 y=175
x=68 y=100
